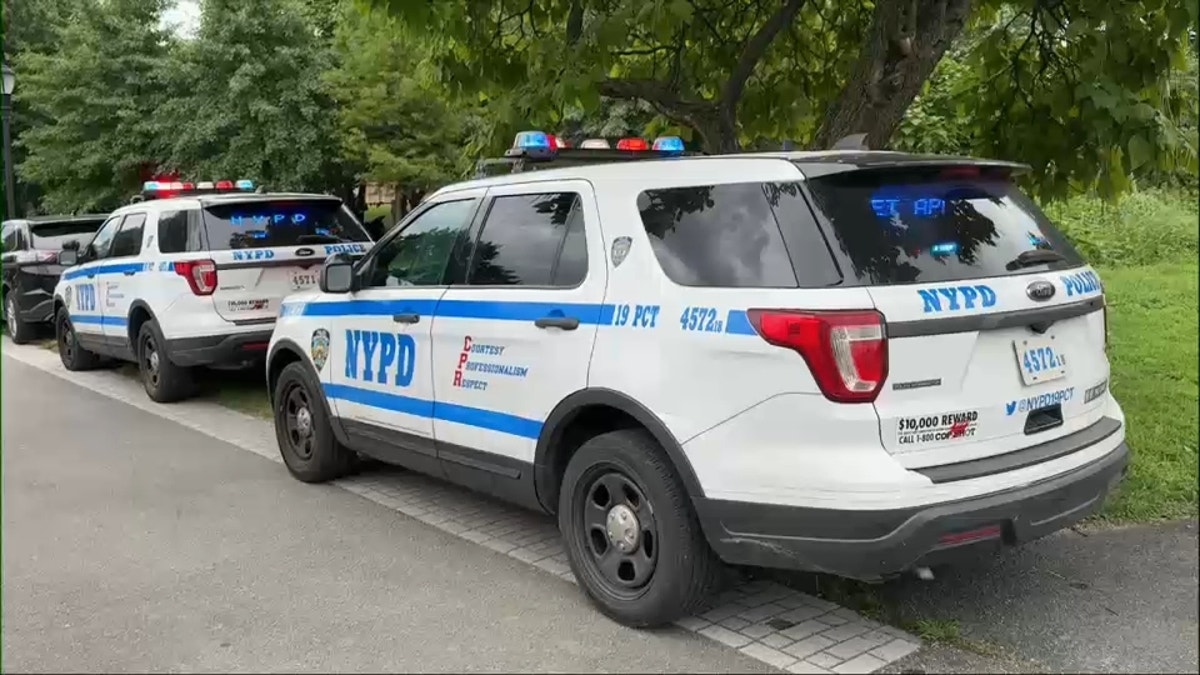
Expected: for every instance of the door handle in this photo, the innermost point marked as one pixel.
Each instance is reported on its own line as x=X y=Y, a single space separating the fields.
x=563 y=322
x=129 y=273
x=406 y=318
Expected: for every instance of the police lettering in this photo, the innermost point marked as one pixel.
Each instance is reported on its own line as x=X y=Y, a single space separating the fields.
x=345 y=248
x=382 y=354
x=954 y=298
x=1081 y=283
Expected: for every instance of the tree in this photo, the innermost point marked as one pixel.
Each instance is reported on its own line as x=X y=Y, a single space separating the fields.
x=255 y=106
x=94 y=94
x=734 y=71
x=394 y=124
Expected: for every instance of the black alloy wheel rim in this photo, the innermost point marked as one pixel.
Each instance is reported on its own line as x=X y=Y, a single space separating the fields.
x=151 y=361
x=66 y=340
x=620 y=532
x=298 y=421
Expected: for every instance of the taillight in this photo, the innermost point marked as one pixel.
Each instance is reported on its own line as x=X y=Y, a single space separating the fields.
x=1104 y=310
x=845 y=350
x=201 y=275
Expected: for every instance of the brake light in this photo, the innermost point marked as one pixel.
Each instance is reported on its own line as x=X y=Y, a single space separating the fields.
x=201 y=275
x=845 y=350
x=636 y=144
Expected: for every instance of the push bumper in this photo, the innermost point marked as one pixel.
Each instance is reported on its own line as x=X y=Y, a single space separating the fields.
x=874 y=545
x=219 y=350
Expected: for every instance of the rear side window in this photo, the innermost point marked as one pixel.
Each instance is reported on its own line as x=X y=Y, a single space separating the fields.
x=531 y=240
x=129 y=239
x=718 y=235
x=905 y=227
x=52 y=236
x=284 y=222
x=180 y=232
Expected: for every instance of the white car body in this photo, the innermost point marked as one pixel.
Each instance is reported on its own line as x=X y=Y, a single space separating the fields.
x=108 y=298
x=779 y=474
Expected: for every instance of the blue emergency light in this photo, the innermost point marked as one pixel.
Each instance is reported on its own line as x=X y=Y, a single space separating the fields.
x=672 y=145
x=532 y=140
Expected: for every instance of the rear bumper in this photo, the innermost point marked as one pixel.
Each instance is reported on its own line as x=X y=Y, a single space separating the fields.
x=219 y=350
x=872 y=545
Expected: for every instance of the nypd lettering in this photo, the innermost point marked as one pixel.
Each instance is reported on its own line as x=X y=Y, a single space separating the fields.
x=957 y=298
x=386 y=358
x=254 y=254
x=936 y=428
x=1081 y=283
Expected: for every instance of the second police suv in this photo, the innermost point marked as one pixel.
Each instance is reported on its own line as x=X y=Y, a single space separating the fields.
x=851 y=362
x=192 y=274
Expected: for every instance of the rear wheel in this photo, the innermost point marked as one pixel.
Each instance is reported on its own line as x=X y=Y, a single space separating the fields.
x=74 y=357
x=632 y=539
x=20 y=331
x=310 y=451
x=163 y=380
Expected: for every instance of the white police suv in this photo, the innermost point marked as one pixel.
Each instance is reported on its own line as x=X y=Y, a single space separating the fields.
x=193 y=275
x=857 y=363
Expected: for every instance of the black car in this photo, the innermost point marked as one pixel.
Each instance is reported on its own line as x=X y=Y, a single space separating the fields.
x=31 y=268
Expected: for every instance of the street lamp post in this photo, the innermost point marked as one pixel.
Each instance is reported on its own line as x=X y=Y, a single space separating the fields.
x=10 y=80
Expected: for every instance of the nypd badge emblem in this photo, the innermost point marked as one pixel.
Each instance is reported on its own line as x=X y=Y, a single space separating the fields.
x=620 y=249
x=319 y=349
x=67 y=296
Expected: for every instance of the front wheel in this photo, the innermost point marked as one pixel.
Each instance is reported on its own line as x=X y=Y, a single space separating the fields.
x=20 y=331
x=632 y=539
x=303 y=431
x=74 y=357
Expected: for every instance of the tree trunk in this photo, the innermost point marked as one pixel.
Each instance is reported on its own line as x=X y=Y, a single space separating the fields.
x=905 y=42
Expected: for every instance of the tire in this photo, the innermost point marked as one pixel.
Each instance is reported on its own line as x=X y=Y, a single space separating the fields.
x=654 y=580
x=73 y=356
x=302 y=429
x=19 y=331
x=163 y=380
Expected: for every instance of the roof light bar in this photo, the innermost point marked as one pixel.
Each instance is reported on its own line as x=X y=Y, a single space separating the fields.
x=633 y=144
x=595 y=144
x=669 y=144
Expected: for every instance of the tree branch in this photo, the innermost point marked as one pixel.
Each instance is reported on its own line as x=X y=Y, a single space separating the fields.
x=753 y=52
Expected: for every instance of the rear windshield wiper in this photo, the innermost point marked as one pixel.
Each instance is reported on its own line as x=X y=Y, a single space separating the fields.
x=1038 y=256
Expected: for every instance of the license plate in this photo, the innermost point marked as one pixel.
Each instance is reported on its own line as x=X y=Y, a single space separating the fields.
x=302 y=280
x=1039 y=359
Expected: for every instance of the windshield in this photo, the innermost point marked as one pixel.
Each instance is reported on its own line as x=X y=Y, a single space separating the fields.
x=291 y=222
x=899 y=227
x=52 y=236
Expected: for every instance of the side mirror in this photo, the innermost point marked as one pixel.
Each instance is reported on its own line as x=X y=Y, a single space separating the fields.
x=68 y=257
x=337 y=275
x=72 y=244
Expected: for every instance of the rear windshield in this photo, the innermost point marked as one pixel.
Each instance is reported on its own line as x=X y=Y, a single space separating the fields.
x=265 y=224
x=908 y=227
x=52 y=236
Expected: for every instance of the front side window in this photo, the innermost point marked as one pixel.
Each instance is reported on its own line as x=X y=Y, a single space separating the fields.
x=102 y=243
x=420 y=253
x=531 y=240
x=128 y=241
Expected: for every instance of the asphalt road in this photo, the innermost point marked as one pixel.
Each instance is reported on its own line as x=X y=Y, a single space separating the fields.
x=1097 y=600
x=132 y=543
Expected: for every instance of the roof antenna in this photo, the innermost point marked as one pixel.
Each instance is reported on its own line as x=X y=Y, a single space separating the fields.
x=852 y=142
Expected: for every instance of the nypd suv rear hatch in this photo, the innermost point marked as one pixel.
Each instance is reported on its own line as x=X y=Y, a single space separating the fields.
x=995 y=326
x=267 y=246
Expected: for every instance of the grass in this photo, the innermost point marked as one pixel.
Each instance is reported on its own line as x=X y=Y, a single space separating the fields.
x=1152 y=348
